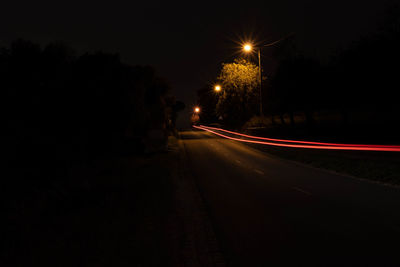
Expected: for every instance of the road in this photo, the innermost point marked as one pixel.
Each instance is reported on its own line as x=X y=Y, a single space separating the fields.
x=271 y=212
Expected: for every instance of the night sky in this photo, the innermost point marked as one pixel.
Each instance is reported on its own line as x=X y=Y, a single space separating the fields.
x=187 y=41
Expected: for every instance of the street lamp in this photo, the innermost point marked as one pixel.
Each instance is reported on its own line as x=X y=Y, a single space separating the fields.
x=217 y=88
x=248 y=48
x=196 y=110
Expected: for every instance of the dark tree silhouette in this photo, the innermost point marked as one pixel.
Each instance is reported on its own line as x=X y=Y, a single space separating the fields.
x=297 y=86
x=59 y=107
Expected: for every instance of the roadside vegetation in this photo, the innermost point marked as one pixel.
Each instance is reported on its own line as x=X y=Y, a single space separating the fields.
x=379 y=167
x=238 y=100
x=87 y=176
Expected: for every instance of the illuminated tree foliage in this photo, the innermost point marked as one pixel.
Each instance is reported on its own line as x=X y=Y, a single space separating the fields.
x=238 y=99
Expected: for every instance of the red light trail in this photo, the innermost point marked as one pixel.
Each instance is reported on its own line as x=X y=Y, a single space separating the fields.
x=296 y=141
x=299 y=144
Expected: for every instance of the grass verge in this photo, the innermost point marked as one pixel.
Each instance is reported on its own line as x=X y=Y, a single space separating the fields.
x=382 y=167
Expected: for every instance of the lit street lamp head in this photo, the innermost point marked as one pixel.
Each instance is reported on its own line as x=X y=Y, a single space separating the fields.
x=196 y=109
x=247 y=47
x=217 y=88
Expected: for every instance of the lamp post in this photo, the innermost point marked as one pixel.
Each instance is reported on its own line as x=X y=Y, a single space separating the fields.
x=249 y=48
x=217 y=88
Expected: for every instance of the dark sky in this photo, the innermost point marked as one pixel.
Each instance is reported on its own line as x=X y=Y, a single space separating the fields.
x=186 y=41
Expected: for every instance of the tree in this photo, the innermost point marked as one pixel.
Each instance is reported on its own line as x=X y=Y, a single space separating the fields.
x=296 y=86
x=363 y=73
x=238 y=99
x=91 y=103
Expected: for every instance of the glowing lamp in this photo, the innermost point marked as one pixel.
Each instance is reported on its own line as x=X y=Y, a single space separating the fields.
x=247 y=47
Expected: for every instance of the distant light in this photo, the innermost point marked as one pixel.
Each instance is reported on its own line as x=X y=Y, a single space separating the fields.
x=247 y=47
x=197 y=109
x=217 y=88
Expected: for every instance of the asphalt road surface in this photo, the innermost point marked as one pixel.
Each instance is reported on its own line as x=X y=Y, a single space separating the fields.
x=271 y=212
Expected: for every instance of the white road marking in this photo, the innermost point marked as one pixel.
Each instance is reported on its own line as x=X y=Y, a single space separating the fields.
x=259 y=172
x=301 y=190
